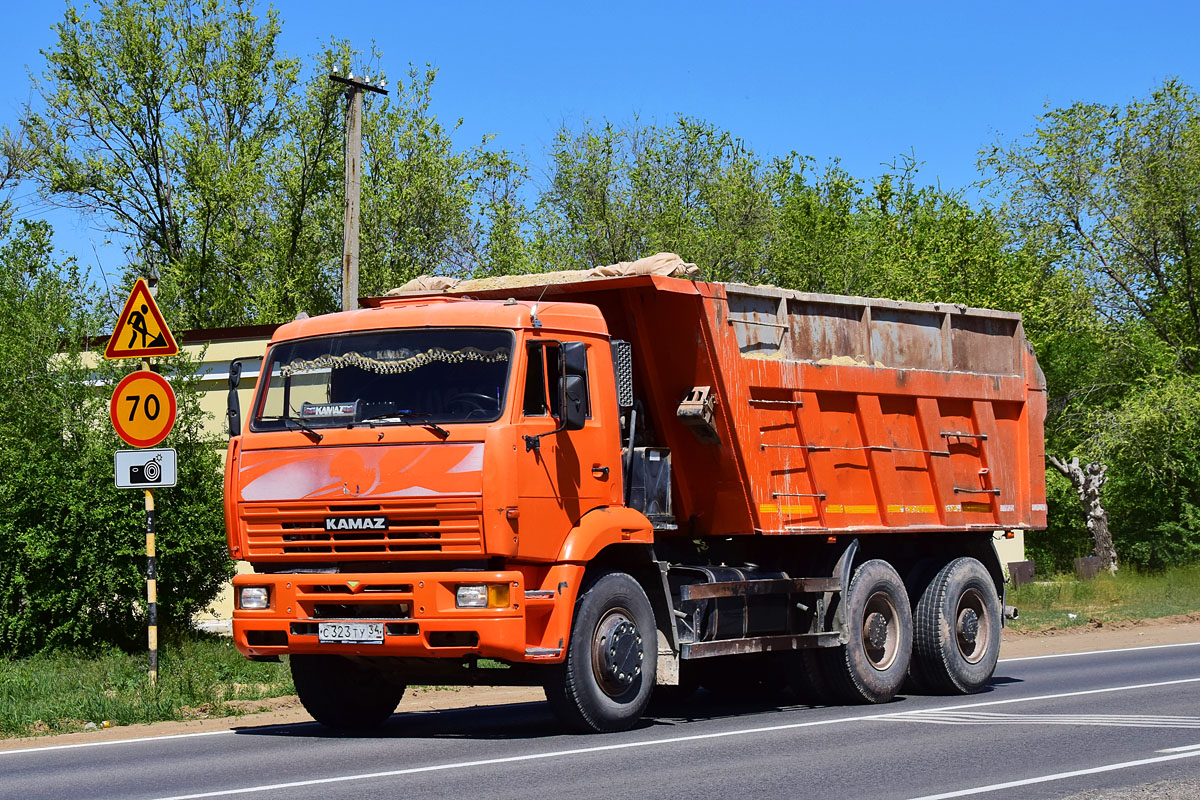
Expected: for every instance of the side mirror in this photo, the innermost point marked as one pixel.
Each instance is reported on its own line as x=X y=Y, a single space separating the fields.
x=572 y=392
x=574 y=385
x=574 y=356
x=574 y=404
x=233 y=410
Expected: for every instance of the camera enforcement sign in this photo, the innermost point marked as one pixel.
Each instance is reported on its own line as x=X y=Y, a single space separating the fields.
x=143 y=408
x=144 y=469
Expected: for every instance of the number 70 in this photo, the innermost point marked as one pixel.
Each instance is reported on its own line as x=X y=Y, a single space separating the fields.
x=152 y=402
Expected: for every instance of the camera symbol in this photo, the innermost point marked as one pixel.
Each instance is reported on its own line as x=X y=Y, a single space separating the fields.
x=150 y=472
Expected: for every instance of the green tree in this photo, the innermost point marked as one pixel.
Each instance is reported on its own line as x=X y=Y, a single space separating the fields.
x=817 y=244
x=1107 y=197
x=73 y=544
x=1113 y=194
x=429 y=207
x=159 y=118
x=180 y=128
x=303 y=211
x=620 y=193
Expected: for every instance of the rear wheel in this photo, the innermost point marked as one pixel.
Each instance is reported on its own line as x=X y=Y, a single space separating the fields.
x=872 y=665
x=343 y=693
x=957 y=624
x=606 y=680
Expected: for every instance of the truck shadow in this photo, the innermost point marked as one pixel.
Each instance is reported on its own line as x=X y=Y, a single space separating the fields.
x=513 y=721
x=529 y=721
x=523 y=721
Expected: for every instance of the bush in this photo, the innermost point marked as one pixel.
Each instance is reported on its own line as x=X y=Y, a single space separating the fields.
x=74 y=545
x=1150 y=444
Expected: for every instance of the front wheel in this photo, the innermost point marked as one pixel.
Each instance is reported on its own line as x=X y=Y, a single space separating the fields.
x=872 y=665
x=606 y=680
x=957 y=630
x=342 y=693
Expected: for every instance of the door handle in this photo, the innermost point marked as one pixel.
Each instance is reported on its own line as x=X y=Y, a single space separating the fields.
x=600 y=472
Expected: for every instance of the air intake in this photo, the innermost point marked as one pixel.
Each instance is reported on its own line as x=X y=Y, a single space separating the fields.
x=622 y=357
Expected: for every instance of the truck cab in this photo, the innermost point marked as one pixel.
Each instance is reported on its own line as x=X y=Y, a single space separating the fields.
x=426 y=480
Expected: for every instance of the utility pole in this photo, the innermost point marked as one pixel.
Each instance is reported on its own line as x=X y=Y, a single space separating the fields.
x=354 y=89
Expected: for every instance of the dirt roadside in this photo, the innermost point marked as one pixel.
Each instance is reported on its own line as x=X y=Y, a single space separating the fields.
x=287 y=710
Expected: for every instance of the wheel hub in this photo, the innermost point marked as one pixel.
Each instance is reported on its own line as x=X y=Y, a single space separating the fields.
x=617 y=652
x=973 y=630
x=880 y=638
x=877 y=630
x=968 y=626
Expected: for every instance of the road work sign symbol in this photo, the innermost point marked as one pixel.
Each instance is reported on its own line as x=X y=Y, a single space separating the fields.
x=141 y=330
x=143 y=408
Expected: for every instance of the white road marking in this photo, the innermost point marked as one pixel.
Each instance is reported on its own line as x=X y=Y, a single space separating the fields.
x=1059 y=776
x=1079 y=693
x=1099 y=652
x=933 y=717
x=1183 y=749
x=455 y=765
x=115 y=741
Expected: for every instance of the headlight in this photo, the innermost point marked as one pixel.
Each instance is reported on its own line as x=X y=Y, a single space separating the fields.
x=481 y=595
x=473 y=595
x=255 y=597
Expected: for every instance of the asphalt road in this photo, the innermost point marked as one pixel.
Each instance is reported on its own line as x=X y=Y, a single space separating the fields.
x=1049 y=727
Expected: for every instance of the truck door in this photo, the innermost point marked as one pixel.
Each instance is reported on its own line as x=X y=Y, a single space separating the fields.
x=568 y=473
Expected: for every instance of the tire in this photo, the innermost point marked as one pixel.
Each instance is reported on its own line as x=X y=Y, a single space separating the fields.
x=344 y=694
x=873 y=664
x=607 y=678
x=957 y=630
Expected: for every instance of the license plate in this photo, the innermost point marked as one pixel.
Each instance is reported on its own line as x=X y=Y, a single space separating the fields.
x=350 y=632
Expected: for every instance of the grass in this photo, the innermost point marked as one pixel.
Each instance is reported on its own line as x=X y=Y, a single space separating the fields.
x=199 y=676
x=1126 y=596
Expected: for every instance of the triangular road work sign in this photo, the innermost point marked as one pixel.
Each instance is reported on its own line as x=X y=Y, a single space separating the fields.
x=141 y=330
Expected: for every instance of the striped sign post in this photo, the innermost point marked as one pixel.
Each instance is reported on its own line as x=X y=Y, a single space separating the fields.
x=143 y=412
x=151 y=589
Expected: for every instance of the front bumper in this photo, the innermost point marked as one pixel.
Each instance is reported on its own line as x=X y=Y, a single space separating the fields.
x=417 y=610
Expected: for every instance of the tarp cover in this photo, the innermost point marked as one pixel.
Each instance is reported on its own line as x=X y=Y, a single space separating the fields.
x=665 y=264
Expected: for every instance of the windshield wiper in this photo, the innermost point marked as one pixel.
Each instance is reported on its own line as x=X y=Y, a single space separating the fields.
x=407 y=418
x=296 y=424
x=304 y=426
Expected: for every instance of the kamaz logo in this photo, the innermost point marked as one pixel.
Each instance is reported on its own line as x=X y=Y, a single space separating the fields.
x=356 y=523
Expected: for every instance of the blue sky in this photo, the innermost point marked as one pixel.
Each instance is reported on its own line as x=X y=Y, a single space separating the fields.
x=863 y=82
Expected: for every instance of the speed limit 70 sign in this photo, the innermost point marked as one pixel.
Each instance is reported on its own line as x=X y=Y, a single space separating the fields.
x=143 y=408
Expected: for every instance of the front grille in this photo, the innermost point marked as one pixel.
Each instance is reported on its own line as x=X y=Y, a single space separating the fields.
x=383 y=611
x=422 y=526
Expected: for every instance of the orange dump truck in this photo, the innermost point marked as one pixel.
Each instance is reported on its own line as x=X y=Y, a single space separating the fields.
x=607 y=484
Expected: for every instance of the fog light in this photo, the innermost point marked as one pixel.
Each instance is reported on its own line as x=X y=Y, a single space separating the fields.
x=255 y=597
x=473 y=595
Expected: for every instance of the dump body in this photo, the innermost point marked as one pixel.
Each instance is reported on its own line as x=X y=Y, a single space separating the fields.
x=831 y=413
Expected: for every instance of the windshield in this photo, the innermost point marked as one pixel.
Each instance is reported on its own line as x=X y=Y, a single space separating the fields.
x=403 y=377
